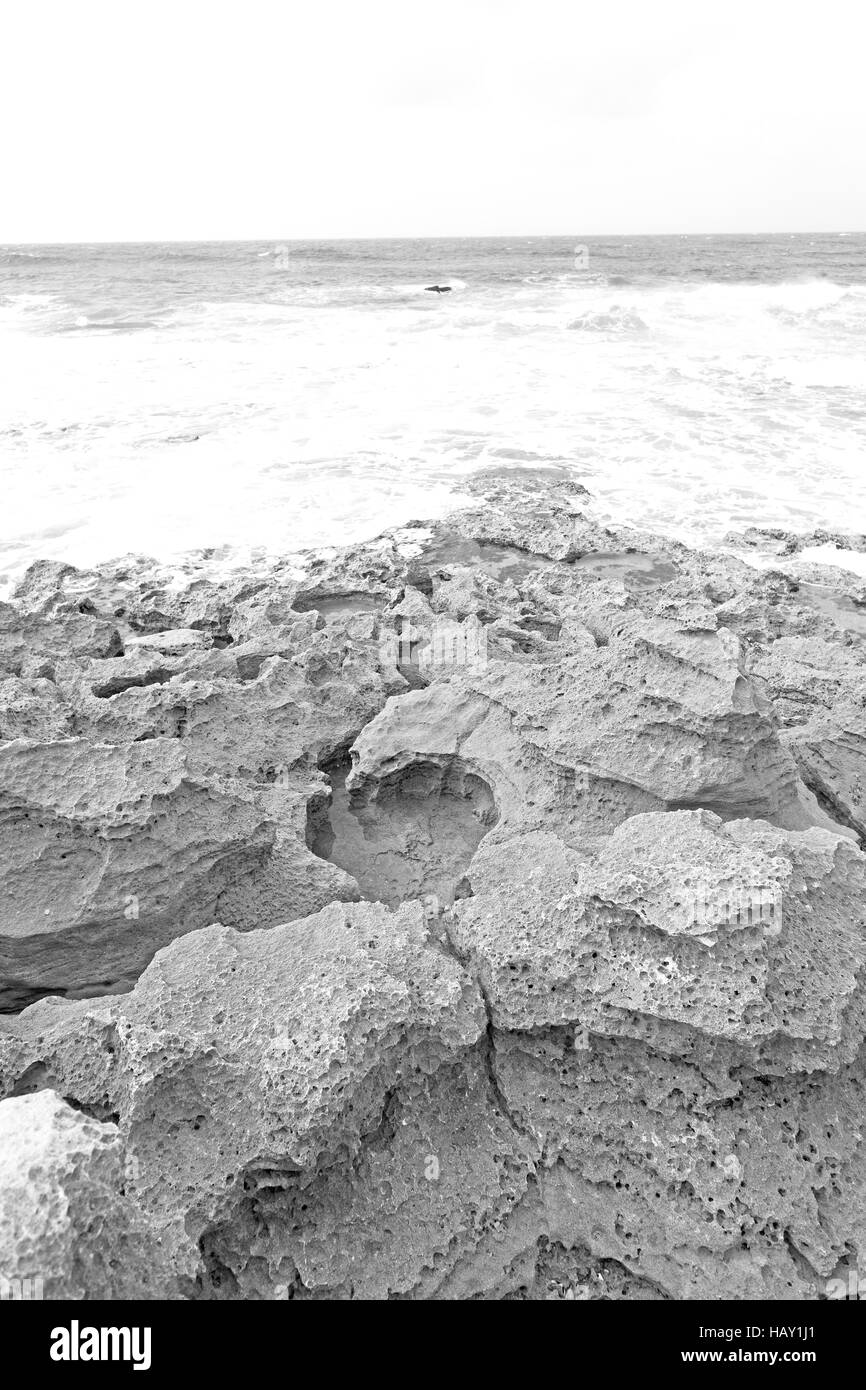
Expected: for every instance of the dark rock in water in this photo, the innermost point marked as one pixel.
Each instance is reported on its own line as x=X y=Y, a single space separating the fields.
x=479 y=910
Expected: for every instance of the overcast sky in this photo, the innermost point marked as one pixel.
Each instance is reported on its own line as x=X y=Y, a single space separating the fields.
x=175 y=120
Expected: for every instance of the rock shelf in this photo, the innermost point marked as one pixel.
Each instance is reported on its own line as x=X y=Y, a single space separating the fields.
x=323 y=977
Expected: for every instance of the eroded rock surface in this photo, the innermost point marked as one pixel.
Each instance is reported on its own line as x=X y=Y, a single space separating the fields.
x=378 y=973
x=69 y=1227
x=111 y=850
x=408 y=835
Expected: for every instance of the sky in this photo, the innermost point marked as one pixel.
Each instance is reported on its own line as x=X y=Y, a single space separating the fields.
x=176 y=120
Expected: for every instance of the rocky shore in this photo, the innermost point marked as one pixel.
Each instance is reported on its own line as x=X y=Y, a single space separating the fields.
x=338 y=964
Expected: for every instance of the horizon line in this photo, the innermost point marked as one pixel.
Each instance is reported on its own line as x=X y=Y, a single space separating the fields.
x=456 y=236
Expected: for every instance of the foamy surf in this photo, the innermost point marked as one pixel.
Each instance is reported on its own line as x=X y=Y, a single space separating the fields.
x=234 y=397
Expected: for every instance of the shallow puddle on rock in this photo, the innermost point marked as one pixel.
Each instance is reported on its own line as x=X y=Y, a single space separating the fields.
x=842 y=609
x=334 y=605
x=499 y=561
x=636 y=569
x=412 y=834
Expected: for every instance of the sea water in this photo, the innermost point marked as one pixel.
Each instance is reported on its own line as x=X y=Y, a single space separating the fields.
x=249 y=399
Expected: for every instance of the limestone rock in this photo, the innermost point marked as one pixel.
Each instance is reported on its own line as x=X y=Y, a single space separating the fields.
x=680 y=925
x=265 y=1059
x=68 y=1228
x=533 y=974
x=831 y=753
x=653 y=719
x=740 y=1190
x=109 y=851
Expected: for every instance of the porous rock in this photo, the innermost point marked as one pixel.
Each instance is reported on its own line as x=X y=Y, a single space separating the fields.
x=68 y=1227
x=616 y=1047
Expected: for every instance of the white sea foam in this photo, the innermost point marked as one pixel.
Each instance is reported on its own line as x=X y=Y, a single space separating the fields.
x=322 y=413
x=852 y=560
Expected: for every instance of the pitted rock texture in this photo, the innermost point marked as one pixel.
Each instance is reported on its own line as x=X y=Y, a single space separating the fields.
x=110 y=851
x=243 y=1063
x=68 y=1228
x=653 y=719
x=412 y=836
x=559 y=994
x=657 y=930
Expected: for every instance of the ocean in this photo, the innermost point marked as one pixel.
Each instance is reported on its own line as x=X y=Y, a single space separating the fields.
x=215 y=403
